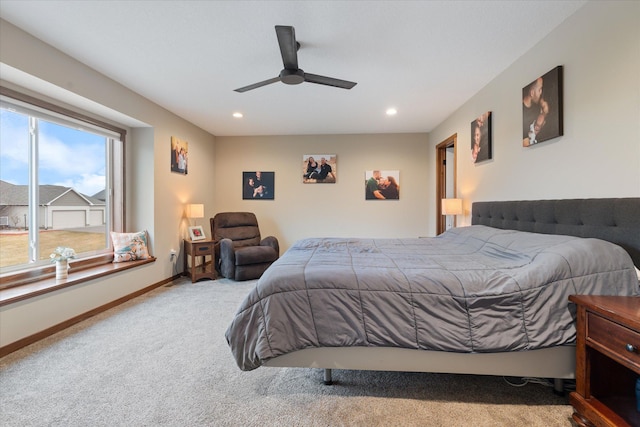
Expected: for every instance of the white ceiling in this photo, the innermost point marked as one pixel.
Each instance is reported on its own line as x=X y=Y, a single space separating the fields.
x=425 y=58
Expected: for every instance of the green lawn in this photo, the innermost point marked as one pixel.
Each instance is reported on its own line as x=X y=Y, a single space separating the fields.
x=14 y=247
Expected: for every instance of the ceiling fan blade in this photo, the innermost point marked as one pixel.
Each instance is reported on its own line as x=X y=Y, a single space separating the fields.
x=257 y=85
x=328 y=81
x=288 y=46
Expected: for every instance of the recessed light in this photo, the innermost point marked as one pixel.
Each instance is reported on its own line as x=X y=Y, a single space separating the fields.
x=237 y=115
x=392 y=112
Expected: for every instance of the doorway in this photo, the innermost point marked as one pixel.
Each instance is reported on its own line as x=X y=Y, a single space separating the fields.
x=445 y=178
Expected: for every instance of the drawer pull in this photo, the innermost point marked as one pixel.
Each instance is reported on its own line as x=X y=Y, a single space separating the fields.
x=630 y=348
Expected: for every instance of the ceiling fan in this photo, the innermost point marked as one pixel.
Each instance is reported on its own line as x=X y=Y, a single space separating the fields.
x=291 y=74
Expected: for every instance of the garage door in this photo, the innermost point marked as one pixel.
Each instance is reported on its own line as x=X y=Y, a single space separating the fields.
x=68 y=219
x=95 y=217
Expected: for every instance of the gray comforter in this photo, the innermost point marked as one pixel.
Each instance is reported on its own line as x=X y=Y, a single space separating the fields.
x=471 y=289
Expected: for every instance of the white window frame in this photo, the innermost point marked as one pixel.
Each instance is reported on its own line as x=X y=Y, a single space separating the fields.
x=115 y=190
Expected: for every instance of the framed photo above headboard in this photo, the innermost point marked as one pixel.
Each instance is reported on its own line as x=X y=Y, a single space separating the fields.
x=542 y=108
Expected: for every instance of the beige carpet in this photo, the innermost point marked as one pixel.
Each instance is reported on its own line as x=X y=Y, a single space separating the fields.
x=162 y=359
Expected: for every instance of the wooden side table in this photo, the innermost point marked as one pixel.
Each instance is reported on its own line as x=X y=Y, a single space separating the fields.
x=195 y=249
x=607 y=360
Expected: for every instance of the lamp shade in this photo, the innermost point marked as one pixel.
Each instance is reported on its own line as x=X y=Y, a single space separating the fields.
x=451 y=206
x=195 y=211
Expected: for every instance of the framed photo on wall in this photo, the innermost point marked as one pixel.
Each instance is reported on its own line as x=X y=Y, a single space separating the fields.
x=179 y=155
x=481 y=146
x=542 y=108
x=382 y=185
x=258 y=185
x=319 y=168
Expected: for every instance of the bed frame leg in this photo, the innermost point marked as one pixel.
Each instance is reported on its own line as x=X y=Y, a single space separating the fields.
x=558 y=386
x=327 y=377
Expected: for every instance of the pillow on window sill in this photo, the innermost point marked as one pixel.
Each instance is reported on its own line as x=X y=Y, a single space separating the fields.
x=129 y=246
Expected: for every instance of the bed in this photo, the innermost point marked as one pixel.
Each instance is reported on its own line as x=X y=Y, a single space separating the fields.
x=474 y=300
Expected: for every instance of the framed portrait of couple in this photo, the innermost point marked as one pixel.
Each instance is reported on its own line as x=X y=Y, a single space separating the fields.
x=382 y=185
x=319 y=168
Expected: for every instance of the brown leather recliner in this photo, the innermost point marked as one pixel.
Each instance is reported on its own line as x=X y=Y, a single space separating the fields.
x=240 y=252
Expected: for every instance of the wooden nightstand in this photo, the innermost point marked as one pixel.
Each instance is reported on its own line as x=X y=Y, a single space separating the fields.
x=607 y=360
x=200 y=248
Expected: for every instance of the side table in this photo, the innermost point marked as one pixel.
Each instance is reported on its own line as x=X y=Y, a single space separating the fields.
x=607 y=360
x=195 y=249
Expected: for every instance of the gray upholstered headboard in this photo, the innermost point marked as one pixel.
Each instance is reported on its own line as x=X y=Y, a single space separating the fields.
x=614 y=220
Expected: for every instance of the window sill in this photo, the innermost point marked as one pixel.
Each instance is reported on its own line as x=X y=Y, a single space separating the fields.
x=41 y=287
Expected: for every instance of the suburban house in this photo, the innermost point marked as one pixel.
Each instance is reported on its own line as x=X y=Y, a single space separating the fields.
x=598 y=156
x=60 y=207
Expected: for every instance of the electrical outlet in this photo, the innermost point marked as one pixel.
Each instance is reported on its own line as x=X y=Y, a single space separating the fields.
x=172 y=254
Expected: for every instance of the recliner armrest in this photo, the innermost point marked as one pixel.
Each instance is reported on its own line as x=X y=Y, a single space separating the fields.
x=271 y=241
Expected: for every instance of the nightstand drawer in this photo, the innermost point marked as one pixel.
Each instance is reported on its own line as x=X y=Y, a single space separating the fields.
x=617 y=339
x=204 y=249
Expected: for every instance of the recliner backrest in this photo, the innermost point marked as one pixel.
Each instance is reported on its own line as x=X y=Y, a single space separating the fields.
x=241 y=227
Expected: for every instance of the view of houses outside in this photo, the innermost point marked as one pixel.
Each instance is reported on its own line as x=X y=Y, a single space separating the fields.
x=71 y=173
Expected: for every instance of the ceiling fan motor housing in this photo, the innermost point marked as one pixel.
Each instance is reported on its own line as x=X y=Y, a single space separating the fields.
x=292 y=77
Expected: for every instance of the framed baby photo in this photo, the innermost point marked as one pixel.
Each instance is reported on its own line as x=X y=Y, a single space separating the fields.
x=258 y=185
x=319 y=168
x=197 y=233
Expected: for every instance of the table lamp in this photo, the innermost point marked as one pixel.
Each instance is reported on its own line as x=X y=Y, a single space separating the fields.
x=451 y=207
x=195 y=211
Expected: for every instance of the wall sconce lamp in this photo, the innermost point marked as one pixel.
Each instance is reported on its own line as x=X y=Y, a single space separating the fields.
x=451 y=207
x=195 y=211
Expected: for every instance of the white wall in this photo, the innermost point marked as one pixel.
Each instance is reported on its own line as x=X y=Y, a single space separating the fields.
x=155 y=196
x=599 y=154
x=305 y=210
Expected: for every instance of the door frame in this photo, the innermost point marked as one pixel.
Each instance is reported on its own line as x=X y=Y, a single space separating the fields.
x=441 y=178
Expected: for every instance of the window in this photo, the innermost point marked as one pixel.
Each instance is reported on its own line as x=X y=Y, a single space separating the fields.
x=60 y=182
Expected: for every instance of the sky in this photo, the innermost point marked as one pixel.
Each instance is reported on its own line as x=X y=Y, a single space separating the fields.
x=68 y=157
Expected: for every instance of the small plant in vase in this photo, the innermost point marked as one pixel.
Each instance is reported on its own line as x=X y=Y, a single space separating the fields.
x=61 y=257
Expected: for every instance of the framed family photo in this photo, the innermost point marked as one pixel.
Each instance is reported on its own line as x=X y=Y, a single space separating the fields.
x=382 y=185
x=481 y=145
x=258 y=185
x=319 y=168
x=197 y=233
x=542 y=108
x=179 y=155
